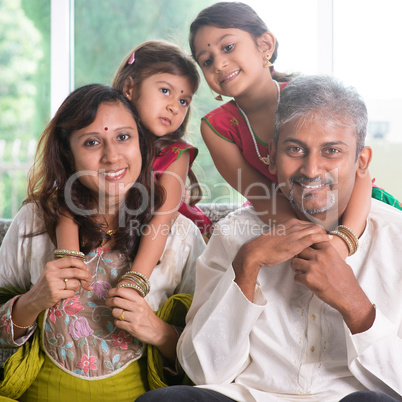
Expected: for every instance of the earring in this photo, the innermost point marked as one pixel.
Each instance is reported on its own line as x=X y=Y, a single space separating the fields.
x=267 y=62
x=217 y=97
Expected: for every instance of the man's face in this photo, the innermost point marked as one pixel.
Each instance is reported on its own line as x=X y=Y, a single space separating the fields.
x=316 y=166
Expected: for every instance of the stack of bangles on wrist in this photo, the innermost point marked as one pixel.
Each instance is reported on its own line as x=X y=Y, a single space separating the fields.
x=348 y=236
x=61 y=253
x=140 y=282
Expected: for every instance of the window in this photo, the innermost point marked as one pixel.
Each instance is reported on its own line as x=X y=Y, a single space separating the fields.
x=24 y=93
x=367 y=56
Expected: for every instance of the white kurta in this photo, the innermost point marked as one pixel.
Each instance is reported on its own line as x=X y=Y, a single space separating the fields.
x=287 y=344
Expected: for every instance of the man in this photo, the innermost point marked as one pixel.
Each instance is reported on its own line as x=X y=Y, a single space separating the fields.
x=280 y=316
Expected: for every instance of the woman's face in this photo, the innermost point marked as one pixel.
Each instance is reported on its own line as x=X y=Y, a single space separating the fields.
x=107 y=156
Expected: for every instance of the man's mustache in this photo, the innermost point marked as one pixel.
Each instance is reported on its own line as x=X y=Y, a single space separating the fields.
x=301 y=179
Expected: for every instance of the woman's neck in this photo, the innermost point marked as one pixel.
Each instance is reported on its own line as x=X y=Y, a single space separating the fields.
x=109 y=215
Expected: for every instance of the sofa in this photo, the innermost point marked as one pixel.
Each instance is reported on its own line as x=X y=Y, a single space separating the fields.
x=214 y=211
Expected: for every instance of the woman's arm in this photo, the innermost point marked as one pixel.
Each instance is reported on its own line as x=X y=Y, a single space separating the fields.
x=154 y=237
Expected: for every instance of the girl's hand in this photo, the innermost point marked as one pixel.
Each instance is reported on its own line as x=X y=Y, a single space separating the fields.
x=140 y=321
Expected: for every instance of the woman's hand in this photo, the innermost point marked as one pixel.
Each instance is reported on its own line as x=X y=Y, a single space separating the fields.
x=59 y=280
x=140 y=321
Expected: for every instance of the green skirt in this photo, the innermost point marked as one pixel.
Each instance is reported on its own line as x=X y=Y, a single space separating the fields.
x=30 y=375
x=55 y=385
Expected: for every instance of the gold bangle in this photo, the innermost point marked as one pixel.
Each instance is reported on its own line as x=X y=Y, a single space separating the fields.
x=132 y=286
x=138 y=282
x=17 y=326
x=138 y=277
x=60 y=253
x=348 y=236
x=349 y=230
x=345 y=239
x=352 y=236
x=138 y=274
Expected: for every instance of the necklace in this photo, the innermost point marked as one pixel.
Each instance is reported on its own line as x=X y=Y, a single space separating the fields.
x=110 y=233
x=264 y=159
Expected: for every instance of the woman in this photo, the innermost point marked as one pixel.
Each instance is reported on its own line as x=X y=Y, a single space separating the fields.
x=94 y=160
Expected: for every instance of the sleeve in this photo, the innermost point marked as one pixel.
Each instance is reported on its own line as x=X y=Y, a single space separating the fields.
x=15 y=251
x=171 y=154
x=222 y=122
x=380 y=194
x=21 y=262
x=374 y=356
x=215 y=344
x=194 y=246
x=7 y=329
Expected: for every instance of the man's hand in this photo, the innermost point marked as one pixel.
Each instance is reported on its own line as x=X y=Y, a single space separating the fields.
x=273 y=247
x=322 y=270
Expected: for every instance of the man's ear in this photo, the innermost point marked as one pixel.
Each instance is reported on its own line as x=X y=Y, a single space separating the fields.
x=363 y=161
x=128 y=88
x=266 y=43
x=272 y=157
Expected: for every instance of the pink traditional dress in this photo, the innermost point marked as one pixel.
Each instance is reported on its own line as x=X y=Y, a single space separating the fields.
x=230 y=123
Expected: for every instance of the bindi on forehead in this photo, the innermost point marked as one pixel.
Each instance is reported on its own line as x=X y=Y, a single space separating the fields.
x=182 y=91
x=106 y=128
x=209 y=44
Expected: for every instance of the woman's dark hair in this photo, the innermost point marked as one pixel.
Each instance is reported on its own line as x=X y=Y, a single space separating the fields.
x=234 y=15
x=157 y=57
x=54 y=165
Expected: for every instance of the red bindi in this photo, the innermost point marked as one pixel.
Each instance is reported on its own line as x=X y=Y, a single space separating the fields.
x=106 y=129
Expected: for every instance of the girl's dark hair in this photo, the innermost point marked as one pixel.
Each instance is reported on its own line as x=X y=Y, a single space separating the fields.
x=54 y=165
x=156 y=57
x=234 y=15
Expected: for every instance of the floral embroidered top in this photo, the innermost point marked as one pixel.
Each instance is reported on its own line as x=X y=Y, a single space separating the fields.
x=79 y=336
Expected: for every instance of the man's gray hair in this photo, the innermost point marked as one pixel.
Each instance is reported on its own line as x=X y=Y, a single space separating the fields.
x=310 y=97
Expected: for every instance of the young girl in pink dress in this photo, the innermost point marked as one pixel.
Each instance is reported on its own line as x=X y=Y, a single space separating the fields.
x=236 y=51
x=160 y=80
